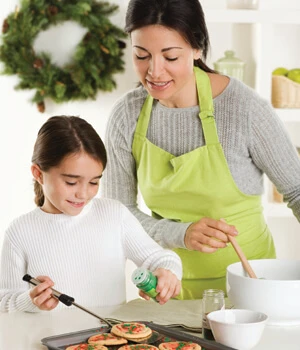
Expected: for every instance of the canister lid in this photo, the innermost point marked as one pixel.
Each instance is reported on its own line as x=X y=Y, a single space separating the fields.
x=229 y=59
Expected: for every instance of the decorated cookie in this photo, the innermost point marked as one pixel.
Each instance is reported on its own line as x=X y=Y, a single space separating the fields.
x=106 y=339
x=179 y=345
x=138 y=347
x=131 y=330
x=85 y=346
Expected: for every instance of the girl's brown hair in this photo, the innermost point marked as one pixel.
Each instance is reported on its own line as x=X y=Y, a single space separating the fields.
x=59 y=137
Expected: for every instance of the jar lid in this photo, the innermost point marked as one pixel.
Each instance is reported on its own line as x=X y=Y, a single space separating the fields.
x=139 y=275
x=230 y=59
x=213 y=293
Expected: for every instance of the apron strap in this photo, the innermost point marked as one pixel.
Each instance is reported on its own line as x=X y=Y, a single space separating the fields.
x=144 y=117
x=206 y=110
x=206 y=107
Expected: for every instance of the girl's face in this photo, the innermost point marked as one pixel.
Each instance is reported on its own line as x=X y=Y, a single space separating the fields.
x=164 y=62
x=70 y=186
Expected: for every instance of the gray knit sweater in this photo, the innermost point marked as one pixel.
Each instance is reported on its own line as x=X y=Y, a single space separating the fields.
x=253 y=138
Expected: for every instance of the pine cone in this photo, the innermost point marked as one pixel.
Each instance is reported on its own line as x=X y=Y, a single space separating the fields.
x=5 y=26
x=38 y=63
x=104 y=49
x=41 y=107
x=87 y=37
x=121 y=44
x=53 y=10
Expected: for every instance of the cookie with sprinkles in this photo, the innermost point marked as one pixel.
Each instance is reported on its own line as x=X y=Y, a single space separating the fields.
x=138 y=347
x=131 y=330
x=106 y=339
x=85 y=346
x=179 y=345
x=154 y=336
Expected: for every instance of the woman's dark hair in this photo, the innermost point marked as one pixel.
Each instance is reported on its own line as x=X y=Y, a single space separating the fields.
x=184 y=16
x=59 y=137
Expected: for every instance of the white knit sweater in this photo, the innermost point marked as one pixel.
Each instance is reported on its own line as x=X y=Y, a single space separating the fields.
x=84 y=255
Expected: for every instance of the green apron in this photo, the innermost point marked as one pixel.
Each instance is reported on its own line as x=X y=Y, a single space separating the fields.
x=195 y=185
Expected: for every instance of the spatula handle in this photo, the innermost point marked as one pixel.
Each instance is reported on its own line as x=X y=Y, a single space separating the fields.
x=64 y=298
x=242 y=256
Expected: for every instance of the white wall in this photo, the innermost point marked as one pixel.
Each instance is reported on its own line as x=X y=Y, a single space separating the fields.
x=21 y=119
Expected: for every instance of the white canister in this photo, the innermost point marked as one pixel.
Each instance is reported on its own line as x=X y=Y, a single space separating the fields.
x=230 y=65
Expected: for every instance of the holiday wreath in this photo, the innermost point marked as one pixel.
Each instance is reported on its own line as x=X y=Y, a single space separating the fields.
x=97 y=57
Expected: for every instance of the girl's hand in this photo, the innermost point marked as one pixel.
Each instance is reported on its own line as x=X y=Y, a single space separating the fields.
x=208 y=235
x=41 y=295
x=168 y=286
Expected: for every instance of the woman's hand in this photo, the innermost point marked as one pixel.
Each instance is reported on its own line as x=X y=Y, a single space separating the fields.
x=168 y=286
x=41 y=295
x=208 y=235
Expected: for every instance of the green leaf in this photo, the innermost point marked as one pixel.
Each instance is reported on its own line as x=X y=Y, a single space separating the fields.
x=60 y=90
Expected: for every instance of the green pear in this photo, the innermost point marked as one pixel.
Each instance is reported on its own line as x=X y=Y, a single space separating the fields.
x=280 y=71
x=294 y=74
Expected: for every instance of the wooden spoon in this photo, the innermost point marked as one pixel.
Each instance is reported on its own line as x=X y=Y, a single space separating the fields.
x=241 y=255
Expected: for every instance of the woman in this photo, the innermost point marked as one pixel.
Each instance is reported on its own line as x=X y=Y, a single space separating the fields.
x=197 y=144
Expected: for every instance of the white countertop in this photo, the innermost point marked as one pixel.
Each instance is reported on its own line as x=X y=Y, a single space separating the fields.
x=24 y=331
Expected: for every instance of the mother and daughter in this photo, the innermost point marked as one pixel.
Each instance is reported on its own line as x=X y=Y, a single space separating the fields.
x=196 y=144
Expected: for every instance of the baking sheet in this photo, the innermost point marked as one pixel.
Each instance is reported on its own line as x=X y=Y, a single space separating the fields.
x=60 y=342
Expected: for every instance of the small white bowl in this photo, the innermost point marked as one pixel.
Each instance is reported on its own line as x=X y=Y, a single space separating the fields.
x=237 y=328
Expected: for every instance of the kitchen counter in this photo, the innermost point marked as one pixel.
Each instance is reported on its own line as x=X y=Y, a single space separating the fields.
x=24 y=331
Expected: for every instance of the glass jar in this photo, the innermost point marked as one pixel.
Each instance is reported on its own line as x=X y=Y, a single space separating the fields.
x=213 y=300
x=146 y=281
x=230 y=65
x=242 y=4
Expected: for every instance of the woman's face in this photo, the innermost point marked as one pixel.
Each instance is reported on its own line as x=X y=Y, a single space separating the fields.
x=164 y=62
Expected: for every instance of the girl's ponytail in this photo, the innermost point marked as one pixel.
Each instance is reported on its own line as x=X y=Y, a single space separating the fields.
x=39 y=194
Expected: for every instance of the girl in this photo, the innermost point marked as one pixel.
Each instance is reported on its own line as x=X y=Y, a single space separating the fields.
x=79 y=241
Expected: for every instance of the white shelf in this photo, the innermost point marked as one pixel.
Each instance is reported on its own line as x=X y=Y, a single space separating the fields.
x=252 y=16
x=288 y=114
x=265 y=38
x=277 y=210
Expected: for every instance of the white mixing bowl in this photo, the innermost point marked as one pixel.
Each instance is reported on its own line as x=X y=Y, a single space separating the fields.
x=239 y=329
x=276 y=292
